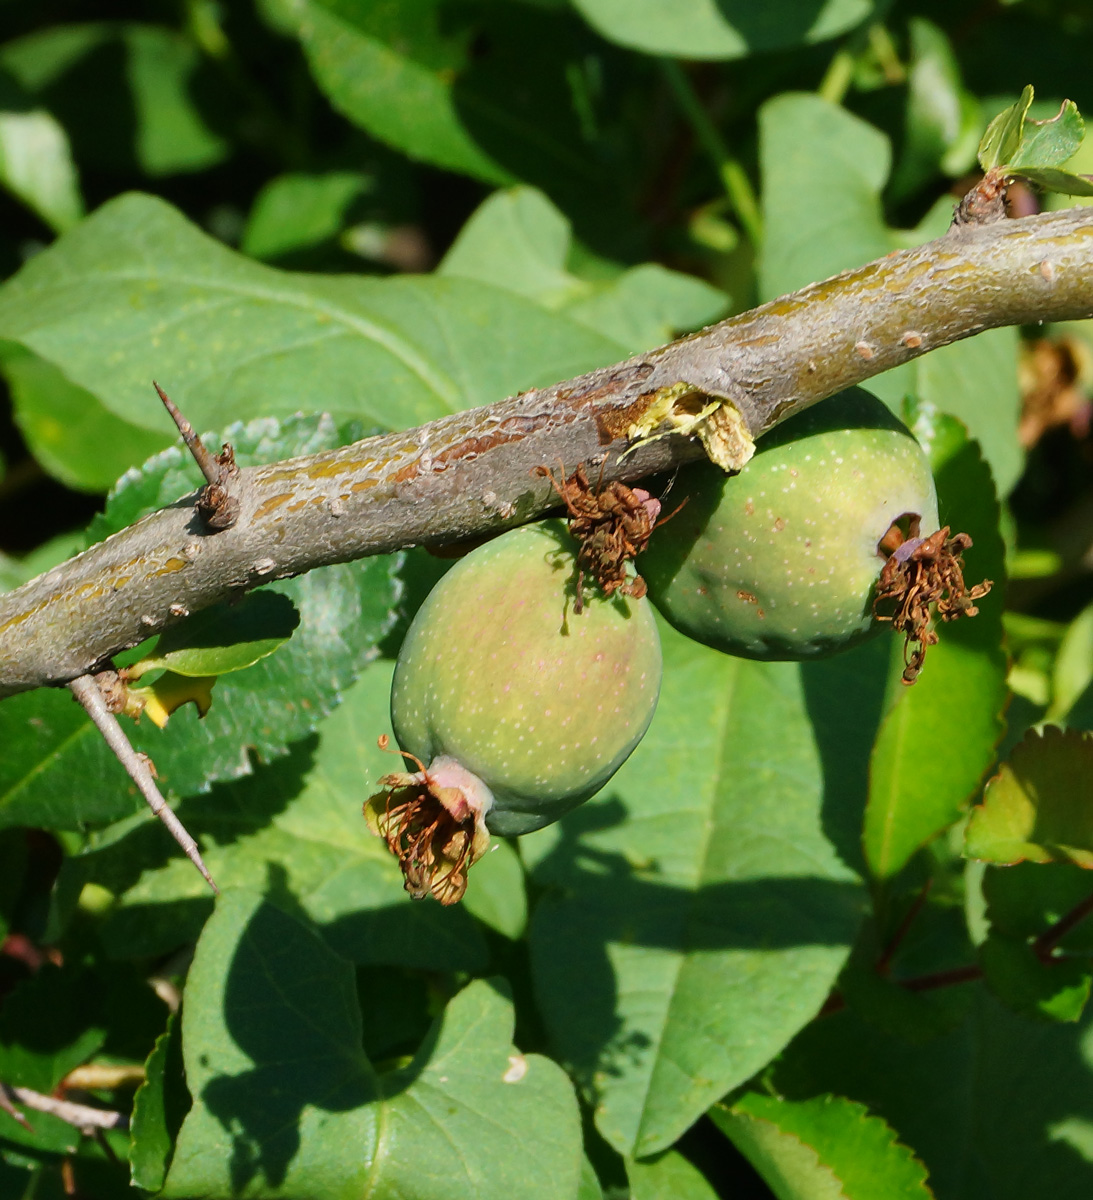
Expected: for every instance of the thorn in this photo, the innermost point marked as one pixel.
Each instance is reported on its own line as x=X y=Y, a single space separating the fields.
x=87 y=692
x=210 y=468
x=218 y=508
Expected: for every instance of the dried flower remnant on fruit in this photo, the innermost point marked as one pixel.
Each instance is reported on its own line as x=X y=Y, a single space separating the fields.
x=921 y=572
x=611 y=526
x=432 y=826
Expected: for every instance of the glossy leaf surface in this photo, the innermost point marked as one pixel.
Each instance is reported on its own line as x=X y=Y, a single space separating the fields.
x=328 y=1124
x=701 y=869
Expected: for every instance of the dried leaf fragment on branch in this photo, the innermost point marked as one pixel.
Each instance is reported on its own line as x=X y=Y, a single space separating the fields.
x=612 y=525
x=921 y=572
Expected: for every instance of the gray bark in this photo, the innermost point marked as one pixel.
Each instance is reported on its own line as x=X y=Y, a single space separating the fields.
x=474 y=472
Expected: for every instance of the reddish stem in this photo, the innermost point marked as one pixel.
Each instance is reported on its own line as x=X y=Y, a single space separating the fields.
x=940 y=979
x=885 y=960
x=1051 y=937
x=951 y=976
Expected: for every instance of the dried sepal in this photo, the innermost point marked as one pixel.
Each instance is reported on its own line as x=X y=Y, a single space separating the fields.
x=920 y=574
x=433 y=821
x=611 y=524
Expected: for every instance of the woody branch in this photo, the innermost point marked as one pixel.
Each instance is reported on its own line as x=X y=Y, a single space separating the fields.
x=474 y=471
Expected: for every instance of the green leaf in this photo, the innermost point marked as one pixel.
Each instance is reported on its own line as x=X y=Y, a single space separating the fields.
x=16 y=571
x=518 y=240
x=68 y=431
x=728 y=29
x=295 y=212
x=1057 y=181
x=20 y=1181
x=937 y=940
x=398 y=1005
x=504 y=93
x=940 y=115
x=647 y=306
x=590 y=1184
x=845 y=731
x=975 y=381
x=49 y=1025
x=999 y=1107
x=282 y=16
x=221 y=639
x=48 y=1136
x=13 y=863
x=1056 y=989
x=824 y=1147
x=58 y=1019
x=1072 y=670
x=62 y=775
x=54 y=772
x=1025 y=900
x=142 y=114
x=938 y=740
x=296 y=827
x=132 y=293
x=702 y=870
x=36 y=160
x=1048 y=144
x=823 y=170
x=391 y=70
x=172 y=136
x=669 y=1176
x=792 y=1169
x=498 y=896
x=159 y=1106
x=287 y=1104
x=1039 y=807
x=1003 y=137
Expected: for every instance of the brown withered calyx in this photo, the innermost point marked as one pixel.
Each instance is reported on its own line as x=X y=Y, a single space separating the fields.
x=611 y=525
x=920 y=573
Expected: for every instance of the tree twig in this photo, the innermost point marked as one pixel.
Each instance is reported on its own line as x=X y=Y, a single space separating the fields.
x=7 y=1105
x=83 y=1117
x=87 y=692
x=1054 y=934
x=471 y=473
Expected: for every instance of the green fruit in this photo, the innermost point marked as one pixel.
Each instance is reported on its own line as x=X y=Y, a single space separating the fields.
x=517 y=707
x=780 y=561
